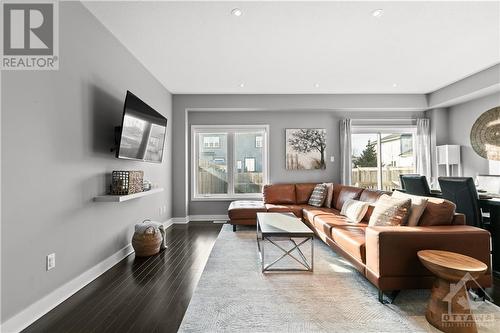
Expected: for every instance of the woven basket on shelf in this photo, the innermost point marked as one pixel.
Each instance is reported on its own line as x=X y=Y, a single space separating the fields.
x=126 y=182
x=147 y=243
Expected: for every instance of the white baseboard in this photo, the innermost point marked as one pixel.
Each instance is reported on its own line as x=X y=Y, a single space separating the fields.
x=168 y=223
x=199 y=218
x=209 y=218
x=180 y=220
x=36 y=310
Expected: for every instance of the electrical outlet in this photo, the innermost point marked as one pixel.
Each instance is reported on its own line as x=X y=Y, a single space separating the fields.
x=51 y=261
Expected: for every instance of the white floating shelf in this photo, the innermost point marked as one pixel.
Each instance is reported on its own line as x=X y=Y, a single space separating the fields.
x=121 y=198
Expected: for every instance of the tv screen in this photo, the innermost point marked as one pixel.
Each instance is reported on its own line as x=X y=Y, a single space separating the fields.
x=143 y=131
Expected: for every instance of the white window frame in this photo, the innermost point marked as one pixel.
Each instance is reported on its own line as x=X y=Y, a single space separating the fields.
x=384 y=129
x=231 y=163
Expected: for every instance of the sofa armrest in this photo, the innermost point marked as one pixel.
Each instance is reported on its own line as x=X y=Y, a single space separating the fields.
x=392 y=251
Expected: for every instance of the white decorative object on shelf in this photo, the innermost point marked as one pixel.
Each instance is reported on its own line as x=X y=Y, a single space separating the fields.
x=121 y=198
x=449 y=156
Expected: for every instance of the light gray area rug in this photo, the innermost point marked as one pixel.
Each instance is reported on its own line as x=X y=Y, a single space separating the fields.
x=234 y=296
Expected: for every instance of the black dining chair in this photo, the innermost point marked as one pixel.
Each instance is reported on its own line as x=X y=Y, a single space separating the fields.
x=407 y=174
x=462 y=192
x=416 y=185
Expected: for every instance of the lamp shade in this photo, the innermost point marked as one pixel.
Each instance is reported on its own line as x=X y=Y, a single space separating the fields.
x=448 y=154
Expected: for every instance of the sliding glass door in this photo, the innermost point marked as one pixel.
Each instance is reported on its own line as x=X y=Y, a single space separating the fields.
x=379 y=157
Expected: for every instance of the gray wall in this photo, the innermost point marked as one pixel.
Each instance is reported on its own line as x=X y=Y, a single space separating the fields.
x=275 y=110
x=439 y=134
x=57 y=129
x=460 y=120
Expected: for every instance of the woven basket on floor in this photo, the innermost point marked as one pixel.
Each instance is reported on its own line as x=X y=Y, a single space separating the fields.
x=147 y=243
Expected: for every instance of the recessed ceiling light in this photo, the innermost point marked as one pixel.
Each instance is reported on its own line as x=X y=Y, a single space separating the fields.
x=378 y=12
x=242 y=85
x=394 y=85
x=316 y=85
x=236 y=12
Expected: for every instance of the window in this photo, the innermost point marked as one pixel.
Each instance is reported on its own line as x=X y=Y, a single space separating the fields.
x=379 y=156
x=258 y=142
x=228 y=162
x=211 y=141
x=250 y=164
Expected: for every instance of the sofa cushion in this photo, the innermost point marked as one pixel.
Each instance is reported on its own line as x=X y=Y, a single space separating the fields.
x=368 y=213
x=351 y=240
x=329 y=195
x=371 y=195
x=244 y=209
x=303 y=192
x=310 y=212
x=342 y=193
x=437 y=212
x=334 y=220
x=296 y=209
x=318 y=195
x=279 y=194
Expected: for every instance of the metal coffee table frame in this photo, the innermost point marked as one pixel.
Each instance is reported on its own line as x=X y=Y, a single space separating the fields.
x=274 y=236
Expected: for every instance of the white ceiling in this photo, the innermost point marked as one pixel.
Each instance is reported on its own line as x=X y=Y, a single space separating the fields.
x=291 y=47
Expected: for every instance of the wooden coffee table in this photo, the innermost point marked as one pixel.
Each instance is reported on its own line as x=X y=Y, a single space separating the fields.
x=449 y=299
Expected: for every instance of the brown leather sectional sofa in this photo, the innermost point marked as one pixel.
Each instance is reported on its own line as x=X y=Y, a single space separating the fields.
x=386 y=256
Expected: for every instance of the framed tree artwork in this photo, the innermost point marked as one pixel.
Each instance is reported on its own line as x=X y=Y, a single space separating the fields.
x=305 y=148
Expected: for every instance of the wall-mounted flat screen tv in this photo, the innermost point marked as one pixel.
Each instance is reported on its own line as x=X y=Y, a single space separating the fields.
x=143 y=131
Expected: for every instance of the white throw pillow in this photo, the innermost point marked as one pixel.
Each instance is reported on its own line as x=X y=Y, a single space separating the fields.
x=417 y=208
x=354 y=210
x=329 y=195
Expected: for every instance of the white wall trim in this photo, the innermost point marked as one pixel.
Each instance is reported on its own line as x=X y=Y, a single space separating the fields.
x=36 y=310
x=209 y=218
x=180 y=220
x=199 y=218
x=168 y=223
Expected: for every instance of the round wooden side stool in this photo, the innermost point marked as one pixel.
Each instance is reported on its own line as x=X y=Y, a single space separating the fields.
x=449 y=308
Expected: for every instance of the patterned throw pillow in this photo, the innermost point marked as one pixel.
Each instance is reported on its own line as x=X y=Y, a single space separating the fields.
x=318 y=195
x=418 y=205
x=390 y=211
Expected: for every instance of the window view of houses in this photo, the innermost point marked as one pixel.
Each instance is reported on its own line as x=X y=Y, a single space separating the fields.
x=379 y=158
x=245 y=170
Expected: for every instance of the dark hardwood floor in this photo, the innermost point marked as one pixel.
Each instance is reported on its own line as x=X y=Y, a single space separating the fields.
x=139 y=294
x=146 y=294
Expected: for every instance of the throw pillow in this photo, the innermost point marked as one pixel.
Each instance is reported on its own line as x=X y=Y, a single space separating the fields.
x=329 y=195
x=354 y=210
x=418 y=205
x=390 y=211
x=318 y=195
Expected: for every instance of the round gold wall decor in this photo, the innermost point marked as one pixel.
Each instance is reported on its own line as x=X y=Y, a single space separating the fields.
x=485 y=135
